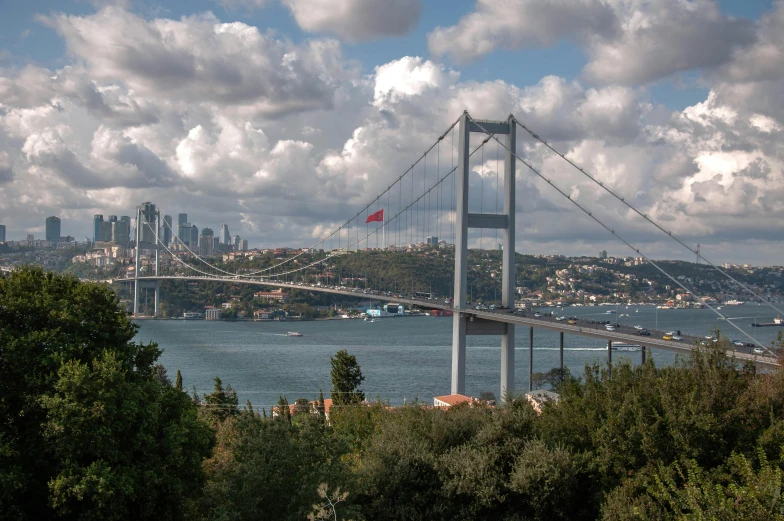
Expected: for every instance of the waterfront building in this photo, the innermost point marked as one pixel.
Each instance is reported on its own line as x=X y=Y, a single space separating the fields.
x=2 y=232
x=53 y=229
x=213 y=314
x=225 y=236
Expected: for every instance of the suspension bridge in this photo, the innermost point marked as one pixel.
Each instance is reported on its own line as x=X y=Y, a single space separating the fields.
x=438 y=197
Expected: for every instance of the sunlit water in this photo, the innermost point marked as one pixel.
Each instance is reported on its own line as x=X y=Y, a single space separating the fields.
x=401 y=358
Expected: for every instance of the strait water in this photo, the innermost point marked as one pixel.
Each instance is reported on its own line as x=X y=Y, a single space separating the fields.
x=401 y=358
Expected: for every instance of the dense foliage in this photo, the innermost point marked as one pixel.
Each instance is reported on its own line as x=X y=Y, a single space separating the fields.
x=86 y=429
x=92 y=429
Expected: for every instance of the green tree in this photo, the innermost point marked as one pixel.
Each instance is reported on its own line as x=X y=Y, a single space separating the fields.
x=221 y=403
x=346 y=379
x=178 y=381
x=61 y=343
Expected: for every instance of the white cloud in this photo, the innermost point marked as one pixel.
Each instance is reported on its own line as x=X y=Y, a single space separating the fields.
x=627 y=41
x=198 y=59
x=356 y=20
x=517 y=24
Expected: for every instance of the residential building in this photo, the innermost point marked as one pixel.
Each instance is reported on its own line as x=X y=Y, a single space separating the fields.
x=452 y=399
x=225 y=236
x=53 y=229
x=167 y=229
x=2 y=232
x=227 y=305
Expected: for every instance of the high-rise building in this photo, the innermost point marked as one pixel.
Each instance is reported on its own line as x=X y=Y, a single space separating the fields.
x=53 y=229
x=433 y=241
x=119 y=232
x=2 y=232
x=167 y=229
x=236 y=243
x=225 y=236
x=97 y=220
x=148 y=223
x=127 y=220
x=182 y=219
x=603 y=254
x=184 y=233
x=194 y=237
x=244 y=246
x=206 y=242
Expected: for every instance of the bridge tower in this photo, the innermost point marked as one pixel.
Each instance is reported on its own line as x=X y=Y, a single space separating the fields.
x=464 y=323
x=146 y=214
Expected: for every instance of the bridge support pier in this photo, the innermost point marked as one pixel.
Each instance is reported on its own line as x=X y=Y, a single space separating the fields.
x=157 y=297
x=504 y=222
x=561 y=346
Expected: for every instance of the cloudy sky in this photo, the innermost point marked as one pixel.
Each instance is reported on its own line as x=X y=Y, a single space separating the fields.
x=281 y=117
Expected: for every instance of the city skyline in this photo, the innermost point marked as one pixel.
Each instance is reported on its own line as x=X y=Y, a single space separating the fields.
x=691 y=138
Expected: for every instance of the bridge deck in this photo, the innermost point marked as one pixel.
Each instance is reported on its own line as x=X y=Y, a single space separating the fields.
x=622 y=334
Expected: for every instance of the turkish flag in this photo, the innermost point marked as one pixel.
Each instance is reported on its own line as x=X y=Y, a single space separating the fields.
x=376 y=217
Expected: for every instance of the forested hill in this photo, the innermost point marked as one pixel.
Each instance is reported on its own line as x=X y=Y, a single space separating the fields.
x=549 y=277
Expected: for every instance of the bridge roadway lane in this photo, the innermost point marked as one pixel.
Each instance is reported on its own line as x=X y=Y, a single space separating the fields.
x=623 y=334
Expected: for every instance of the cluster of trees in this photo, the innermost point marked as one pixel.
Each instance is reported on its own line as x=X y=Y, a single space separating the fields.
x=91 y=428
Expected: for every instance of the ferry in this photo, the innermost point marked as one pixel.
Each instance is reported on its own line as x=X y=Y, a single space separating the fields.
x=293 y=333
x=622 y=346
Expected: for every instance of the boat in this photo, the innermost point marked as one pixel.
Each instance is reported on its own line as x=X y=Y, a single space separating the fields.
x=622 y=346
x=293 y=333
x=610 y=312
x=777 y=322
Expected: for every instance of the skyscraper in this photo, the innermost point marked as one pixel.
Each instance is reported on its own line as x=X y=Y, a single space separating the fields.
x=182 y=219
x=194 y=236
x=2 y=232
x=53 y=229
x=236 y=243
x=206 y=242
x=97 y=220
x=225 y=236
x=148 y=223
x=244 y=245
x=167 y=229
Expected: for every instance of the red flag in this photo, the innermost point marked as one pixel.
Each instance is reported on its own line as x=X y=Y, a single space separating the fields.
x=376 y=217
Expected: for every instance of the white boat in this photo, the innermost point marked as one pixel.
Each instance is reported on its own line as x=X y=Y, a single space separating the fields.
x=622 y=346
x=293 y=333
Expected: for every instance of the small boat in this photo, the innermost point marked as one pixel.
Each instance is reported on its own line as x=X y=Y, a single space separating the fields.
x=293 y=333
x=622 y=346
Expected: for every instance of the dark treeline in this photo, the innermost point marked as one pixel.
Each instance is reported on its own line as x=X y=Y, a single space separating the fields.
x=91 y=428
